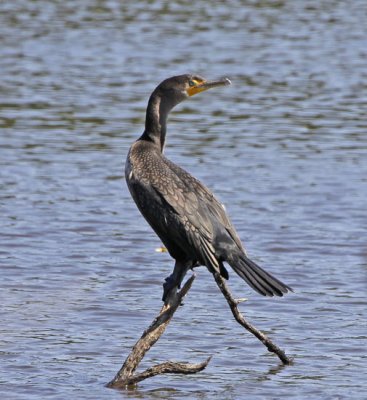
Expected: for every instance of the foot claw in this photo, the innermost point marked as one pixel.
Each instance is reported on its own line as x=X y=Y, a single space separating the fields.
x=168 y=285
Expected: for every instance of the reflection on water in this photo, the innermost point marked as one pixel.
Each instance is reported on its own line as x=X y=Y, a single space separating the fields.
x=284 y=147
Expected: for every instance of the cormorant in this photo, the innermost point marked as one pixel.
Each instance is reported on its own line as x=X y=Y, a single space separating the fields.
x=189 y=220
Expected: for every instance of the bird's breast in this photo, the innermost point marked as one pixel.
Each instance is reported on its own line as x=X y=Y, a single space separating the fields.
x=129 y=174
x=146 y=166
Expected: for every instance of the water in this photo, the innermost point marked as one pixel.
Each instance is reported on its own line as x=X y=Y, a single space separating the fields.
x=284 y=148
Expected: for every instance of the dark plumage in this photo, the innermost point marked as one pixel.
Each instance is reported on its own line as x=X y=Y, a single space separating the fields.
x=190 y=221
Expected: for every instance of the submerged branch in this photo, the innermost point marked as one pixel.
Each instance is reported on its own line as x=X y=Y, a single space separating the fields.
x=168 y=367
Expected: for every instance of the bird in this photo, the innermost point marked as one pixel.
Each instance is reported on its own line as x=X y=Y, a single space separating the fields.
x=189 y=220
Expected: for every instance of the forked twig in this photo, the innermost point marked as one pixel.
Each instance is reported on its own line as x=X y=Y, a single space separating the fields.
x=126 y=376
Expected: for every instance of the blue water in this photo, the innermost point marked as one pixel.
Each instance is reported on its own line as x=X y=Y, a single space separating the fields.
x=284 y=148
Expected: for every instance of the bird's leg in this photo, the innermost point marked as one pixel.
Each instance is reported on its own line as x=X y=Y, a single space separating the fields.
x=173 y=282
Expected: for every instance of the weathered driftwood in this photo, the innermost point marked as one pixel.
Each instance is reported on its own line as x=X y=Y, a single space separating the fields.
x=126 y=375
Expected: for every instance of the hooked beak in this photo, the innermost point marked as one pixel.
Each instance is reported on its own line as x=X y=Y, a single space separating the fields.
x=201 y=87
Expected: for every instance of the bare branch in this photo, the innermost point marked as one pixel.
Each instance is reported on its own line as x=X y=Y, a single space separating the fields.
x=126 y=375
x=272 y=347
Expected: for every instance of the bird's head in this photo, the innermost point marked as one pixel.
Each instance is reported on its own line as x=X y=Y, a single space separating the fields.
x=178 y=88
x=167 y=95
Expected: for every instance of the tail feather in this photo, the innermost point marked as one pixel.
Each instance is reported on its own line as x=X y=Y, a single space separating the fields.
x=260 y=280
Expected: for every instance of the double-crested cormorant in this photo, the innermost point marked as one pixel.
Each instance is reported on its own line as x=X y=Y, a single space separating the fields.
x=190 y=221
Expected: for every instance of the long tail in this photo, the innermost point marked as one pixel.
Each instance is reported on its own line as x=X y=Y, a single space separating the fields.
x=260 y=280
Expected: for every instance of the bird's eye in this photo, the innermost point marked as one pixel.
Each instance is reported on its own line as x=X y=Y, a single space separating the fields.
x=191 y=83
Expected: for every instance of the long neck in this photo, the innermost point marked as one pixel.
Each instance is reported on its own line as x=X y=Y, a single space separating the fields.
x=156 y=120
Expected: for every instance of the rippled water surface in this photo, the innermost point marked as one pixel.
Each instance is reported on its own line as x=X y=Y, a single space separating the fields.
x=284 y=148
